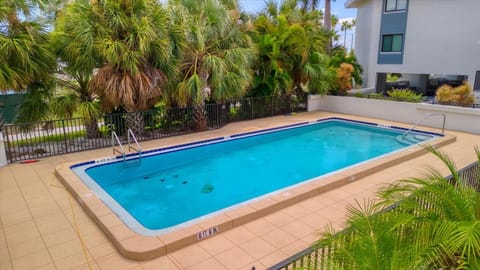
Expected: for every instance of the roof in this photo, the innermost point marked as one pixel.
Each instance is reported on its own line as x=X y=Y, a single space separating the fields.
x=352 y=3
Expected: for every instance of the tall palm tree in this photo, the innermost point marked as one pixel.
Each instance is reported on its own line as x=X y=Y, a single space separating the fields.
x=130 y=40
x=346 y=25
x=75 y=72
x=27 y=61
x=217 y=58
x=434 y=224
x=24 y=49
x=328 y=20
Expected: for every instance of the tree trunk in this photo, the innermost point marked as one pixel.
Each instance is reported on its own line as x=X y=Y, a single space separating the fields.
x=328 y=22
x=199 y=117
x=134 y=121
x=91 y=127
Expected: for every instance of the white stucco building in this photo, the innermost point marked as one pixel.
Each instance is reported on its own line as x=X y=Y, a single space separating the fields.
x=429 y=42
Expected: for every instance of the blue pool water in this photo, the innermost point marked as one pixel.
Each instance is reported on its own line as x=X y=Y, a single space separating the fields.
x=167 y=189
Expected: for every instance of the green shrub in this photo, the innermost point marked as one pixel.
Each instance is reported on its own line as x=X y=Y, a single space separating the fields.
x=406 y=94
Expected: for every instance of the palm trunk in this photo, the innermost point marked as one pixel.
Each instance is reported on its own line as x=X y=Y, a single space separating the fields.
x=199 y=117
x=134 y=121
x=328 y=22
x=91 y=127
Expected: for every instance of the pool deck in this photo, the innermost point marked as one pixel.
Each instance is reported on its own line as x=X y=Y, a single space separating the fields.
x=43 y=227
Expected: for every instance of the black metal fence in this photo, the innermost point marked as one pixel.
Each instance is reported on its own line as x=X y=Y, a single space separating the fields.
x=35 y=140
x=316 y=257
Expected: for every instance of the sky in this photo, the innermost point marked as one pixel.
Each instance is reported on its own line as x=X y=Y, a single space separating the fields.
x=338 y=8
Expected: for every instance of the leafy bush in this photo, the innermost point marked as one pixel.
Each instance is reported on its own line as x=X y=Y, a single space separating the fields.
x=461 y=95
x=444 y=94
x=404 y=95
x=344 y=78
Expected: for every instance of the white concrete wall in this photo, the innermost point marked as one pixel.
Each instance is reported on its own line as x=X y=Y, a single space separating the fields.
x=442 y=37
x=457 y=118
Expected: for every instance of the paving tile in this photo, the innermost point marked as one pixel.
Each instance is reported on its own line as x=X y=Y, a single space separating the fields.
x=296 y=229
x=66 y=249
x=280 y=218
x=257 y=248
x=216 y=244
x=279 y=238
x=274 y=258
x=116 y=261
x=163 y=263
x=234 y=258
x=208 y=264
x=239 y=235
x=59 y=237
x=102 y=250
x=32 y=261
x=259 y=226
x=189 y=256
x=76 y=260
x=21 y=232
x=26 y=248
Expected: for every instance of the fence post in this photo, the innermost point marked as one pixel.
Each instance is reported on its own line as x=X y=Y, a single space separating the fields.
x=65 y=135
x=3 y=153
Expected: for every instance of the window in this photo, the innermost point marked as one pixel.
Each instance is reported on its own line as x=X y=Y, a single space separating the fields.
x=392 y=43
x=395 y=5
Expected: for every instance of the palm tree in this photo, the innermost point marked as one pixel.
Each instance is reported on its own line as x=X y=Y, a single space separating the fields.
x=217 y=58
x=130 y=40
x=291 y=45
x=328 y=20
x=346 y=25
x=434 y=224
x=24 y=49
x=74 y=74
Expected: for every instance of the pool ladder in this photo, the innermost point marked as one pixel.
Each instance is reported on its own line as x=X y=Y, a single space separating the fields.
x=130 y=139
x=421 y=120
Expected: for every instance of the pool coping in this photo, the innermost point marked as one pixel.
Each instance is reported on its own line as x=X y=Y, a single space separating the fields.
x=138 y=247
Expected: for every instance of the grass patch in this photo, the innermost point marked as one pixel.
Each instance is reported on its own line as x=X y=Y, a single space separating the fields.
x=49 y=138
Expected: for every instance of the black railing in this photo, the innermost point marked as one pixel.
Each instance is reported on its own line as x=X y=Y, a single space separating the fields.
x=35 y=140
x=316 y=257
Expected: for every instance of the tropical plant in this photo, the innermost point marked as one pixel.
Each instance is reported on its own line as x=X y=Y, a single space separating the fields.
x=339 y=55
x=75 y=72
x=461 y=95
x=128 y=42
x=404 y=95
x=344 y=78
x=419 y=223
x=291 y=46
x=444 y=94
x=346 y=25
x=217 y=58
x=25 y=56
x=24 y=49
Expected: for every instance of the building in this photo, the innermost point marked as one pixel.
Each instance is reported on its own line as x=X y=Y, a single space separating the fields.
x=427 y=42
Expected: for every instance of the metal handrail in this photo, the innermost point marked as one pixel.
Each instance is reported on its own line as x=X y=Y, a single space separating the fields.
x=115 y=150
x=427 y=116
x=130 y=147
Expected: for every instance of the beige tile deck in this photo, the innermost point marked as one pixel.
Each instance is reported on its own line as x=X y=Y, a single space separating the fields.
x=43 y=227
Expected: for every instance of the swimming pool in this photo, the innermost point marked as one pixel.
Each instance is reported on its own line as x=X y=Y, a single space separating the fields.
x=173 y=186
